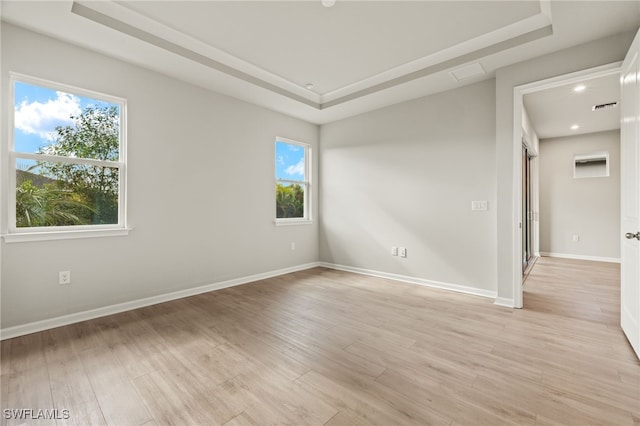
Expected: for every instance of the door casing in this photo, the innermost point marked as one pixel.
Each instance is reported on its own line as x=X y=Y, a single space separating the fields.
x=518 y=95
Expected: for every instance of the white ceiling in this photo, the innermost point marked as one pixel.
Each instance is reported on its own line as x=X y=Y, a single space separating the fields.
x=359 y=55
x=333 y=47
x=554 y=111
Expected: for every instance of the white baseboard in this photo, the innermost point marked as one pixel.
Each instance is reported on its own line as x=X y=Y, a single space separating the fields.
x=503 y=301
x=33 y=327
x=412 y=280
x=581 y=257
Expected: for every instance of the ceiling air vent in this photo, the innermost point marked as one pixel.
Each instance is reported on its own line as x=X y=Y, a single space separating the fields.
x=604 y=106
x=466 y=72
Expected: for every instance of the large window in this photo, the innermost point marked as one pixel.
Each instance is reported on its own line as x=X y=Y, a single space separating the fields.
x=292 y=181
x=67 y=159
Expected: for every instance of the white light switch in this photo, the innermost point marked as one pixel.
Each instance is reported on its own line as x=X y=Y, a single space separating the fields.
x=479 y=205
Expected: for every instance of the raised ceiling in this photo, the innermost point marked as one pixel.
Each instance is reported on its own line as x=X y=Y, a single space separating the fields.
x=358 y=55
x=333 y=48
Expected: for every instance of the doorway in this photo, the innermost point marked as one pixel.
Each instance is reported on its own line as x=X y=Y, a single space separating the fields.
x=524 y=173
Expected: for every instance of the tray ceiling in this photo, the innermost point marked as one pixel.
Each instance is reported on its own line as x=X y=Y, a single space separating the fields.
x=357 y=55
x=336 y=47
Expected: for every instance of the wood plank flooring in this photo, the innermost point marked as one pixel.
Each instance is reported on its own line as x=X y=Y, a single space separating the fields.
x=325 y=347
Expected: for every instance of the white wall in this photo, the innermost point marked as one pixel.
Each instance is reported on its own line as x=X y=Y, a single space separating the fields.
x=188 y=146
x=405 y=176
x=587 y=207
x=589 y=55
x=200 y=183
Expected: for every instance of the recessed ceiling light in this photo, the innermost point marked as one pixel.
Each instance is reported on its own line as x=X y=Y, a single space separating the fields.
x=575 y=127
x=309 y=86
x=579 y=88
x=328 y=3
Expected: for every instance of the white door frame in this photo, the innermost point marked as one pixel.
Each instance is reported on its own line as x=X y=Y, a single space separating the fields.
x=518 y=94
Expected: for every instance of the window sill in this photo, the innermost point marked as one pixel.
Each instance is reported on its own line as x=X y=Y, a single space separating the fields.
x=64 y=235
x=290 y=222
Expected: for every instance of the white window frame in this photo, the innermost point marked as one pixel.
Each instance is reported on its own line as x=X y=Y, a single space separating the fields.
x=307 y=217
x=39 y=233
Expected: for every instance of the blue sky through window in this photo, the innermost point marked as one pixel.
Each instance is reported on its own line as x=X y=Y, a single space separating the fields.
x=289 y=161
x=39 y=110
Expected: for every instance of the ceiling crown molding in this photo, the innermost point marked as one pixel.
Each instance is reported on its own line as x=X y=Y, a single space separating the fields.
x=514 y=31
x=134 y=24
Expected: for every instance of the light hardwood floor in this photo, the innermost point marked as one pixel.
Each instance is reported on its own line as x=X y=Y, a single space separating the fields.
x=329 y=347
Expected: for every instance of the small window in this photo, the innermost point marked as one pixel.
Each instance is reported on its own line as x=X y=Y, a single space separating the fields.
x=292 y=181
x=67 y=159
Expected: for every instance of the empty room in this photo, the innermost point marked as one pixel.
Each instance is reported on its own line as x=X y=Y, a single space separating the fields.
x=320 y=212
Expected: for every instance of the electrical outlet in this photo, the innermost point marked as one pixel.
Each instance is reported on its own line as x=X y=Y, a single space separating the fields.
x=403 y=252
x=394 y=251
x=65 y=277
